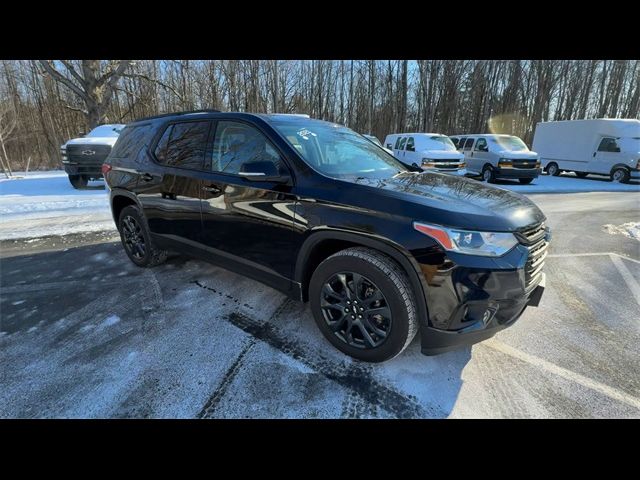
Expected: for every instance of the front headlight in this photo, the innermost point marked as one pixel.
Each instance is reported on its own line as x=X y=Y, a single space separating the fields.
x=488 y=244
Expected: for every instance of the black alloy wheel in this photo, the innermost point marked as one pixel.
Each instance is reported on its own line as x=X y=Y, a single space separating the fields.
x=356 y=310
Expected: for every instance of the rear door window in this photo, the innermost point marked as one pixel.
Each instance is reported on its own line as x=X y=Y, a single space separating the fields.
x=183 y=145
x=397 y=145
x=461 y=143
x=402 y=142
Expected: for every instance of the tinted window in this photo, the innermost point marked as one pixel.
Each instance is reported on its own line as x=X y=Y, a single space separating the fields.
x=183 y=145
x=402 y=142
x=468 y=144
x=461 y=142
x=481 y=145
x=236 y=143
x=410 y=145
x=608 y=145
x=131 y=141
x=397 y=147
x=455 y=142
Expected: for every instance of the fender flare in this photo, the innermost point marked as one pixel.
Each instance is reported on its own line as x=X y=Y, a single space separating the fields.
x=119 y=192
x=392 y=249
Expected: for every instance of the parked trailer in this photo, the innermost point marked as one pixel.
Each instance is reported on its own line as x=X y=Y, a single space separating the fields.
x=604 y=146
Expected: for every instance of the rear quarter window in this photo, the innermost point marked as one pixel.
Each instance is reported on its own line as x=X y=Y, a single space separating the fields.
x=131 y=141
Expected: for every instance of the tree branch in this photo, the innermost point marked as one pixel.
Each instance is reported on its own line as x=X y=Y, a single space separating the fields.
x=72 y=71
x=62 y=79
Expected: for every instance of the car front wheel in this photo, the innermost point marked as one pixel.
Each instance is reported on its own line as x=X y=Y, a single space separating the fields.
x=78 y=181
x=363 y=304
x=620 y=175
x=488 y=174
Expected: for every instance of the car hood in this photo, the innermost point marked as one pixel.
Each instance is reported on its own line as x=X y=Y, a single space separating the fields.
x=92 y=141
x=458 y=201
x=517 y=155
x=442 y=154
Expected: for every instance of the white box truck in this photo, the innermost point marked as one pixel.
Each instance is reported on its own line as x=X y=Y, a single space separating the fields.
x=607 y=146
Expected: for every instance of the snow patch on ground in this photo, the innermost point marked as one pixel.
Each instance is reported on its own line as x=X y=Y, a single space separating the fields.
x=110 y=320
x=629 y=229
x=39 y=204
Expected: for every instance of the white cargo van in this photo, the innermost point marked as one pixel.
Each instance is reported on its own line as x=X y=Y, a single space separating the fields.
x=605 y=146
x=431 y=151
x=498 y=156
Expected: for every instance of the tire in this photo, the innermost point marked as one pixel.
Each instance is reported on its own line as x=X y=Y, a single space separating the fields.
x=553 y=169
x=525 y=181
x=78 y=181
x=378 y=272
x=131 y=224
x=581 y=174
x=488 y=174
x=620 y=175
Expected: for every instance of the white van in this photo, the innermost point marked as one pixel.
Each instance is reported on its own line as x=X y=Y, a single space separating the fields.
x=431 y=151
x=375 y=140
x=606 y=146
x=498 y=156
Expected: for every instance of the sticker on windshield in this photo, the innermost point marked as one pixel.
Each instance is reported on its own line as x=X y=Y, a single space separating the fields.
x=304 y=133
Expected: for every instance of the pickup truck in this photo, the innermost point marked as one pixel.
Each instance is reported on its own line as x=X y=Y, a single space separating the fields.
x=83 y=157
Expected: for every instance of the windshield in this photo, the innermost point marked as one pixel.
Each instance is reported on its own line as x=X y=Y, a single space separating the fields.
x=446 y=143
x=513 y=144
x=337 y=151
x=106 y=131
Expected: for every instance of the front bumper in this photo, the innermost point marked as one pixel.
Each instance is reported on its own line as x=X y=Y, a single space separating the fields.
x=471 y=298
x=517 y=172
x=635 y=174
x=93 y=170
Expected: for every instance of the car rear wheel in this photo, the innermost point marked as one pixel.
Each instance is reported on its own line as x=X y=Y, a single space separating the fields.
x=525 y=181
x=620 y=175
x=78 y=181
x=136 y=239
x=363 y=304
x=553 y=169
x=581 y=174
x=488 y=174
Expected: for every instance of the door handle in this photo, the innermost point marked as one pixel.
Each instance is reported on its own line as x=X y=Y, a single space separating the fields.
x=211 y=189
x=147 y=177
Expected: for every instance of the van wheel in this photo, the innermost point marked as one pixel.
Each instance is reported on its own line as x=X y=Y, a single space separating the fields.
x=136 y=239
x=581 y=174
x=488 y=174
x=363 y=304
x=620 y=175
x=78 y=181
x=525 y=181
x=553 y=169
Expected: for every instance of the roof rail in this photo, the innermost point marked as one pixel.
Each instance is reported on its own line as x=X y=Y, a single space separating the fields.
x=171 y=114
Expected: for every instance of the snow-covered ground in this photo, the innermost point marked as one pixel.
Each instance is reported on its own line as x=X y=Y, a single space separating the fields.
x=39 y=204
x=44 y=203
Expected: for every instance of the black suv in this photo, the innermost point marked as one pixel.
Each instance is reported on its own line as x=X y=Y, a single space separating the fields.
x=380 y=249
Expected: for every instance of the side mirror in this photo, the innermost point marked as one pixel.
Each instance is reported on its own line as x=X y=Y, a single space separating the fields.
x=262 y=171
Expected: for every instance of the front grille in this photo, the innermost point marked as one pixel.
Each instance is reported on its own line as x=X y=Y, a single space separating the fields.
x=523 y=164
x=81 y=153
x=534 y=238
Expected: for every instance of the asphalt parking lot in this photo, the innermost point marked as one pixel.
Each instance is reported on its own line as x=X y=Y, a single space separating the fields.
x=85 y=333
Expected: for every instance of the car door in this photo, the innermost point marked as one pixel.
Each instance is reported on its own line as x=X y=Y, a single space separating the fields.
x=399 y=152
x=605 y=157
x=247 y=223
x=169 y=186
x=467 y=150
x=410 y=154
x=479 y=155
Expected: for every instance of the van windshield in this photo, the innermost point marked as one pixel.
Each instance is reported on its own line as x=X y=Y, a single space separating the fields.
x=513 y=144
x=337 y=151
x=106 y=131
x=445 y=143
